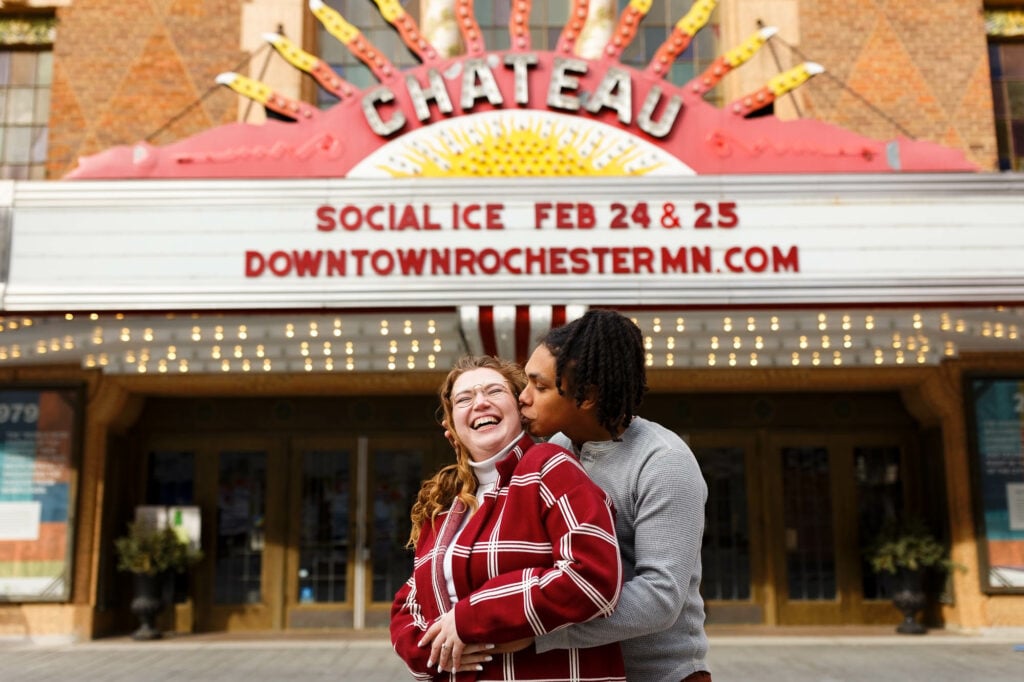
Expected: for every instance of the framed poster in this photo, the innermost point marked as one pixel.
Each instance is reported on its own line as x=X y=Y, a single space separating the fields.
x=39 y=442
x=996 y=419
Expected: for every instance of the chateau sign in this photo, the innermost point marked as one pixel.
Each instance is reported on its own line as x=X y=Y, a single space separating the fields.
x=500 y=177
x=519 y=112
x=614 y=92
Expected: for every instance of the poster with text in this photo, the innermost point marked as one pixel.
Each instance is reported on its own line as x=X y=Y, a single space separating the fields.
x=37 y=444
x=999 y=432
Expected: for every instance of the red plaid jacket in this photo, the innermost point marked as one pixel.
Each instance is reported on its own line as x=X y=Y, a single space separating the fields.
x=538 y=554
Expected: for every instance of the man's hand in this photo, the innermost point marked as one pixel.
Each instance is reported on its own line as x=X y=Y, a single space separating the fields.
x=513 y=646
x=474 y=656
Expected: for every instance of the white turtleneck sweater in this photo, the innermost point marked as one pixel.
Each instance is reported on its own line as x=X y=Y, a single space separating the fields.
x=486 y=473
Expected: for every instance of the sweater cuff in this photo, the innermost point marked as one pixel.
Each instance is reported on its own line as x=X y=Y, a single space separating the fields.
x=559 y=639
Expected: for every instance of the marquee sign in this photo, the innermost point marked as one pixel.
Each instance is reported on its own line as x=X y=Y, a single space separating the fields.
x=519 y=113
x=308 y=244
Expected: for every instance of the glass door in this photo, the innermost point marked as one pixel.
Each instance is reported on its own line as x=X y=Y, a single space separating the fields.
x=732 y=554
x=237 y=585
x=805 y=507
x=320 y=566
x=350 y=503
x=243 y=528
x=828 y=495
x=297 y=532
x=395 y=469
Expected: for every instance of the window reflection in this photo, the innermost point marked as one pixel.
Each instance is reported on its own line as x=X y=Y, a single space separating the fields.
x=397 y=475
x=241 y=505
x=324 y=543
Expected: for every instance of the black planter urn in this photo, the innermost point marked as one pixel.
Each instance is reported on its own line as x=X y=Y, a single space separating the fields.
x=146 y=604
x=909 y=597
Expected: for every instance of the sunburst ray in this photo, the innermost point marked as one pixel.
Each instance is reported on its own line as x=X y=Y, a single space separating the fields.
x=682 y=33
x=730 y=60
x=573 y=27
x=629 y=24
x=776 y=87
x=395 y=14
x=263 y=94
x=465 y=16
x=519 y=25
x=441 y=28
x=597 y=29
x=320 y=70
x=352 y=38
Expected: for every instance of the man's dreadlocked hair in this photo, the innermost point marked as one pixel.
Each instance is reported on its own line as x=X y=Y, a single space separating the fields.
x=605 y=350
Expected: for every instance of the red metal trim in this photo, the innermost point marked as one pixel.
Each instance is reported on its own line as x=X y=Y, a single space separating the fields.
x=486 y=325
x=522 y=333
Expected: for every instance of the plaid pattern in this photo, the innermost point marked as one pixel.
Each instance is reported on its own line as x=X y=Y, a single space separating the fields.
x=539 y=553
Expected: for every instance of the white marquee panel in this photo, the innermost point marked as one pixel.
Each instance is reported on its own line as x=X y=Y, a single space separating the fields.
x=836 y=240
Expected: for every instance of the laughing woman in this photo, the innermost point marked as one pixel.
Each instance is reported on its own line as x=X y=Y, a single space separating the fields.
x=512 y=541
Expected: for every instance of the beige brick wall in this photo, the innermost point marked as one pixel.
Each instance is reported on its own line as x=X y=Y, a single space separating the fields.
x=123 y=69
x=924 y=64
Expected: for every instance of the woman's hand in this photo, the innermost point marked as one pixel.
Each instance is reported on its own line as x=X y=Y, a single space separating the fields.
x=449 y=651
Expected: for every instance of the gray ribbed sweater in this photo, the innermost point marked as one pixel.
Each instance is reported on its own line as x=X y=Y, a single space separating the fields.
x=659 y=495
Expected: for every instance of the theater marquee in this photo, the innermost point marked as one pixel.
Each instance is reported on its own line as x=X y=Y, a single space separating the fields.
x=736 y=241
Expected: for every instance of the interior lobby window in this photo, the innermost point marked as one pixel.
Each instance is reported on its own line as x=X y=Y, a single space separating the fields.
x=1005 y=30
x=366 y=17
x=26 y=69
x=725 y=553
x=546 y=22
x=879 y=498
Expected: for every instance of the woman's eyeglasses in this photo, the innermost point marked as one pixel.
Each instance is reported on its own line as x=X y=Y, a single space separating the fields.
x=491 y=392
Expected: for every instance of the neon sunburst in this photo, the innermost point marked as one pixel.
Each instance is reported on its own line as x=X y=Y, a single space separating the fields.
x=501 y=144
x=573 y=110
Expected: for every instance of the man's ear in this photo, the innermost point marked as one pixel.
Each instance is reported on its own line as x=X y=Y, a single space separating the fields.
x=589 y=399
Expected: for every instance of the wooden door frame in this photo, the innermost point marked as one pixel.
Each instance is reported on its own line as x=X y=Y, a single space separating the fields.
x=870 y=611
x=849 y=605
x=379 y=611
x=818 y=612
x=268 y=614
x=292 y=606
x=747 y=441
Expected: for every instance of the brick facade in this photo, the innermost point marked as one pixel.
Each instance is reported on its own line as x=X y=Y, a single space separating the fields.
x=924 y=64
x=123 y=69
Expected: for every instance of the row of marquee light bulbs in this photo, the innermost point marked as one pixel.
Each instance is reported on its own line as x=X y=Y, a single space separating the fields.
x=198 y=344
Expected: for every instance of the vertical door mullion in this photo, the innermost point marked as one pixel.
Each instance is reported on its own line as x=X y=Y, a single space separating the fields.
x=361 y=555
x=844 y=519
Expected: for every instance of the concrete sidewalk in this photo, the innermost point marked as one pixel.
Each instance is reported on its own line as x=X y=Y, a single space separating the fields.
x=791 y=656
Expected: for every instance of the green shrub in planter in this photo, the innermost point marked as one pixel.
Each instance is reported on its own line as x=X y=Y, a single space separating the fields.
x=907 y=544
x=147 y=551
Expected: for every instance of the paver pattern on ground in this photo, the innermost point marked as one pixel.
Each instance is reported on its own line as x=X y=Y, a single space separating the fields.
x=937 y=657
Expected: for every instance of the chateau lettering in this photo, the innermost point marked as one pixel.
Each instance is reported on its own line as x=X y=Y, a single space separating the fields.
x=479 y=82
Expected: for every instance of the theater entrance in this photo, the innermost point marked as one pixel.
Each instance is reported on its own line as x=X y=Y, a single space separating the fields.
x=305 y=502
x=302 y=528
x=794 y=501
x=787 y=520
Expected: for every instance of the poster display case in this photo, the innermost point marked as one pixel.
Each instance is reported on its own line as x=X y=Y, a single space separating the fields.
x=996 y=417
x=39 y=451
